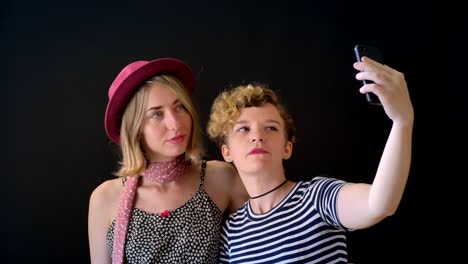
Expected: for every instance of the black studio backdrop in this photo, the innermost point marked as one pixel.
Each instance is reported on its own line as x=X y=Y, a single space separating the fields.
x=60 y=58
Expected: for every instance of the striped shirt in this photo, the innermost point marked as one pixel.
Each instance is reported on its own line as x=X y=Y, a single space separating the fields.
x=303 y=228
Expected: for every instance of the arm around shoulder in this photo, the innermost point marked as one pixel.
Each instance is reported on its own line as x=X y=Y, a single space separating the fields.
x=239 y=194
x=228 y=182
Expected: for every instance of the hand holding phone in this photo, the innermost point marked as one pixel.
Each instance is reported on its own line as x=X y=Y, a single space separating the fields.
x=375 y=54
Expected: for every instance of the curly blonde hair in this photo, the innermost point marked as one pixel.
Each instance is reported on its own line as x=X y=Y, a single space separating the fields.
x=227 y=106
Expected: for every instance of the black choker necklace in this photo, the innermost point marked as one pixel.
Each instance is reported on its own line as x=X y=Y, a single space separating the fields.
x=277 y=187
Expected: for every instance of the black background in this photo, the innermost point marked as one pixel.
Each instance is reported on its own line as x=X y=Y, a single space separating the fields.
x=60 y=57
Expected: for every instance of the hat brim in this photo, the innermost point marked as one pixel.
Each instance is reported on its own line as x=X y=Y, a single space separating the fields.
x=130 y=84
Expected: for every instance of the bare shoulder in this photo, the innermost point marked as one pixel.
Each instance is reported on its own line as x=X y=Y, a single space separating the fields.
x=107 y=190
x=105 y=198
x=221 y=170
x=103 y=205
x=224 y=181
x=219 y=178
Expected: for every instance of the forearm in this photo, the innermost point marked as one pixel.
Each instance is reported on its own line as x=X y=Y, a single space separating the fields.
x=392 y=173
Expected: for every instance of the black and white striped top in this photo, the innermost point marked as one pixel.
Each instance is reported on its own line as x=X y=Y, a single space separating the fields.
x=303 y=228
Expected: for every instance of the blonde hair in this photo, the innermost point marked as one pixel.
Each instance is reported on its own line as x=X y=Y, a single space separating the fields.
x=227 y=105
x=134 y=160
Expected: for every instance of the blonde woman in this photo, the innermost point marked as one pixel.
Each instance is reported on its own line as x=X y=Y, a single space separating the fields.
x=167 y=204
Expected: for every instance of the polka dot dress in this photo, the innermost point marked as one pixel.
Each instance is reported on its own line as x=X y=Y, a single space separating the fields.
x=189 y=234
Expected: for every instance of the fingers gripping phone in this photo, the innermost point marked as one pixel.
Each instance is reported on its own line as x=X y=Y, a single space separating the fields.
x=375 y=54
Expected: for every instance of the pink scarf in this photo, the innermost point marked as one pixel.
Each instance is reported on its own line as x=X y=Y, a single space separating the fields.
x=160 y=172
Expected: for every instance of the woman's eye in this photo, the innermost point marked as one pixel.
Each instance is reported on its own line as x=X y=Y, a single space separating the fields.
x=156 y=115
x=242 y=129
x=272 y=128
x=180 y=107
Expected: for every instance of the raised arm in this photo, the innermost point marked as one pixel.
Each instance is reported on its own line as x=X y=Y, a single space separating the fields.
x=362 y=205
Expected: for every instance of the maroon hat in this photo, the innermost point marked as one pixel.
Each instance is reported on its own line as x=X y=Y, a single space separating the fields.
x=131 y=78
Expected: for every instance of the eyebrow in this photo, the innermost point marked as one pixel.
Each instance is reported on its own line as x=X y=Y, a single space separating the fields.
x=267 y=121
x=159 y=107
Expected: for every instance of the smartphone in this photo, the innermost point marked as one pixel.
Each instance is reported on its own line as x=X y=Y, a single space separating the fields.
x=375 y=54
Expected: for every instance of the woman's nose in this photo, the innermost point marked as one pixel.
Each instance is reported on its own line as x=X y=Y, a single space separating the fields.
x=172 y=121
x=257 y=136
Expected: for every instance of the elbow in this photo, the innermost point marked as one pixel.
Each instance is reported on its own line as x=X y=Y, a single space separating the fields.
x=391 y=211
x=382 y=212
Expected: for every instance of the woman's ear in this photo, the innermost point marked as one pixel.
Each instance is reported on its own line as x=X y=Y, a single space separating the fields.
x=288 y=150
x=226 y=153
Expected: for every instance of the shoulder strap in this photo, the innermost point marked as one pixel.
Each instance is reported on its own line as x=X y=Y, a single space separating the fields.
x=202 y=175
x=127 y=202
